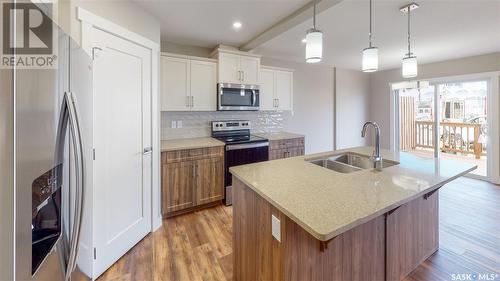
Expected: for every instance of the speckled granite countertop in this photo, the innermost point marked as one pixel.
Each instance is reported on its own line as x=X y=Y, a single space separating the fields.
x=178 y=144
x=327 y=203
x=279 y=135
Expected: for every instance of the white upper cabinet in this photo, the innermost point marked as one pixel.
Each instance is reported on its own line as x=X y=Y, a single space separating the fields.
x=238 y=67
x=267 y=89
x=250 y=67
x=188 y=84
x=276 y=90
x=229 y=68
x=174 y=84
x=284 y=89
x=203 y=85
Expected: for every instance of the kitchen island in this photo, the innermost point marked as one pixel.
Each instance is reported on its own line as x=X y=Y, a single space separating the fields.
x=294 y=220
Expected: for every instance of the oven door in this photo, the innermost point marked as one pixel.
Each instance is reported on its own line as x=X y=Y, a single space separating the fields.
x=238 y=97
x=240 y=154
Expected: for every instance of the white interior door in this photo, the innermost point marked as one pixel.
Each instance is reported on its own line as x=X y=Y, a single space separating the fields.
x=122 y=124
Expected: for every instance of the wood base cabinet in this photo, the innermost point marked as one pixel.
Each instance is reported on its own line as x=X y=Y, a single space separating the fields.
x=388 y=247
x=191 y=179
x=286 y=148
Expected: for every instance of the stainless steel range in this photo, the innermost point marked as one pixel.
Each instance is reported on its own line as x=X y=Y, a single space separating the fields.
x=241 y=148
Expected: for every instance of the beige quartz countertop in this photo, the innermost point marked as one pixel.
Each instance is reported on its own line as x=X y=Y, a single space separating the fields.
x=178 y=144
x=279 y=135
x=327 y=203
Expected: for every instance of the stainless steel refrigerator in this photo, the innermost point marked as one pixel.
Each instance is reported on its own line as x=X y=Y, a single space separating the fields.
x=45 y=124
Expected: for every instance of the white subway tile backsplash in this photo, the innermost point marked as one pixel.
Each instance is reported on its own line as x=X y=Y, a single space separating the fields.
x=197 y=124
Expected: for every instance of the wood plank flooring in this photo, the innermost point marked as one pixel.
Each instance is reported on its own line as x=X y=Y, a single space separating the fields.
x=198 y=246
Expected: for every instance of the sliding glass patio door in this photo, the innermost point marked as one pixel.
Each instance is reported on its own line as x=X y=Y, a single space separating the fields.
x=448 y=120
x=463 y=122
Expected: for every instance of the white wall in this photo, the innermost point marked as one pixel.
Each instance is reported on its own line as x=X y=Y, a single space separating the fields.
x=312 y=103
x=124 y=13
x=380 y=84
x=352 y=100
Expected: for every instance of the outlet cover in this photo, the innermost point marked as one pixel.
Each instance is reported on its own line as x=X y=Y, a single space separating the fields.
x=174 y=124
x=276 y=228
x=179 y=124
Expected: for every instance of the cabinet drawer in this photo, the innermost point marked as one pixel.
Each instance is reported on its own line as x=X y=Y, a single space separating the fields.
x=192 y=154
x=286 y=143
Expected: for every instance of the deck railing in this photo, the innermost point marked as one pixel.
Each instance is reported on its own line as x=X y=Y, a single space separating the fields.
x=454 y=137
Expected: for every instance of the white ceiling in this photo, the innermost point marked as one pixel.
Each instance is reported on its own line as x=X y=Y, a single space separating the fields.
x=441 y=30
x=207 y=23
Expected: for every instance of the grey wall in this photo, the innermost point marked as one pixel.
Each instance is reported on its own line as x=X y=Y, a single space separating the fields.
x=6 y=176
x=380 y=83
x=124 y=13
x=352 y=106
x=175 y=48
x=312 y=103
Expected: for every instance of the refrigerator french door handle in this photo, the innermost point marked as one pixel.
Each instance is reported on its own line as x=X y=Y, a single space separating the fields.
x=69 y=115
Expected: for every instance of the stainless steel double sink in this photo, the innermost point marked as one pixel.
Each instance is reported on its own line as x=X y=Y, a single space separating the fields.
x=350 y=162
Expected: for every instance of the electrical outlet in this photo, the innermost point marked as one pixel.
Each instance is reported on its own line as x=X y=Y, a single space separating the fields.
x=179 y=124
x=174 y=124
x=276 y=228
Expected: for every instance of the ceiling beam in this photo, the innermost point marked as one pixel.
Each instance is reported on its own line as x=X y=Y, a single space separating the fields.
x=294 y=19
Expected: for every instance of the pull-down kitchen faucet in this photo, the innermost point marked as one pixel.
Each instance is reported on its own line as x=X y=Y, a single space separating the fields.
x=377 y=159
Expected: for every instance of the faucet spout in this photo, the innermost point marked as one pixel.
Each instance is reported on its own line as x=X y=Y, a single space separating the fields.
x=377 y=159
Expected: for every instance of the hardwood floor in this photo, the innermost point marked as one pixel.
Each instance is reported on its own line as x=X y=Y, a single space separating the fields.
x=198 y=246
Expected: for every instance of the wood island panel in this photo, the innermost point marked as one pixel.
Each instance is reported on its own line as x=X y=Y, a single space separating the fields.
x=413 y=232
x=357 y=254
x=387 y=247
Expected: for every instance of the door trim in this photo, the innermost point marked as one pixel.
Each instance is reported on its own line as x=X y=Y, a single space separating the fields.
x=91 y=22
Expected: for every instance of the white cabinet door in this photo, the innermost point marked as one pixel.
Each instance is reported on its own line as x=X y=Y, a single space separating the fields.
x=229 y=67
x=284 y=89
x=203 y=85
x=250 y=67
x=174 y=84
x=267 y=89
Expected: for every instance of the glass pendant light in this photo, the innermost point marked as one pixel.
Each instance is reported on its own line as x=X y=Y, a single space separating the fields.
x=409 y=66
x=314 y=42
x=370 y=54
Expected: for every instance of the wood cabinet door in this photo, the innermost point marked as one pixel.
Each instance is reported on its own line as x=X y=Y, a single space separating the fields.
x=284 y=89
x=174 y=84
x=413 y=232
x=229 y=65
x=203 y=84
x=177 y=186
x=250 y=67
x=277 y=154
x=209 y=185
x=267 y=89
x=295 y=151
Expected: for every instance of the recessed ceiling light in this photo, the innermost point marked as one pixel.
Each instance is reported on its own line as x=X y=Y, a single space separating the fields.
x=304 y=40
x=237 y=24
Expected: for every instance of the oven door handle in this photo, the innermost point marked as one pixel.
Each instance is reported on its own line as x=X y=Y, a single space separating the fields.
x=230 y=147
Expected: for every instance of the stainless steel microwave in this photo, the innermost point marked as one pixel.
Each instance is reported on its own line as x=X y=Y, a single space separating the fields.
x=237 y=97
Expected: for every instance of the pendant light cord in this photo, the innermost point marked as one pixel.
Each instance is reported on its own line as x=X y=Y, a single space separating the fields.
x=314 y=14
x=409 y=36
x=370 y=31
